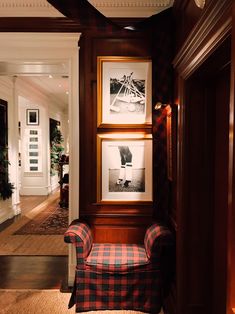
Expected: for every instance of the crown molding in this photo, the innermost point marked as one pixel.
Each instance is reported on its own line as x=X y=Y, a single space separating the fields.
x=213 y=27
x=109 y=8
x=29 y=8
x=131 y=8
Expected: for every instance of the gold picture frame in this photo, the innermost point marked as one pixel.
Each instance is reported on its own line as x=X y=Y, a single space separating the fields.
x=124 y=92
x=169 y=143
x=124 y=168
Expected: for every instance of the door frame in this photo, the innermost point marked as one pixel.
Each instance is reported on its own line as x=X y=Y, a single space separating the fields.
x=46 y=49
x=215 y=25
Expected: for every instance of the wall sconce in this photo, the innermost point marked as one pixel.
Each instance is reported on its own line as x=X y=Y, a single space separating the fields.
x=159 y=105
x=200 y=3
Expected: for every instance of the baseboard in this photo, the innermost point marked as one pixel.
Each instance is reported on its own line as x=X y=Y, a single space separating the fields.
x=6 y=211
x=65 y=288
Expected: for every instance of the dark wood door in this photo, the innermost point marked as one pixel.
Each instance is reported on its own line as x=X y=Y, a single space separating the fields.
x=3 y=123
x=203 y=262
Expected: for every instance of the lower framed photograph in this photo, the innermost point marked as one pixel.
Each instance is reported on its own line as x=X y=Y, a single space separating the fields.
x=124 y=167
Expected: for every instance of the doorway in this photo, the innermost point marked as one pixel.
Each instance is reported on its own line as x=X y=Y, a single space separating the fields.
x=206 y=155
x=42 y=54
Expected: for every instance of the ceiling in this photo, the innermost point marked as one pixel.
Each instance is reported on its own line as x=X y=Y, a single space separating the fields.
x=57 y=87
x=110 y=8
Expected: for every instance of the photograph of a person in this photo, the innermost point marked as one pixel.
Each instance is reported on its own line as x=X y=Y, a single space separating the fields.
x=125 y=169
x=124 y=91
x=127 y=174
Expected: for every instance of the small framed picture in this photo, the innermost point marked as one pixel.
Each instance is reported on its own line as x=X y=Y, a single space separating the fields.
x=32 y=117
x=124 y=167
x=124 y=92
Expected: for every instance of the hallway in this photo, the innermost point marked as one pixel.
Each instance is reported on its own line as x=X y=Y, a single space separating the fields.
x=30 y=271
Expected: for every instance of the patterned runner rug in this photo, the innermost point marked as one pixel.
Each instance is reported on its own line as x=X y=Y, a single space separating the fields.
x=39 y=232
x=52 y=220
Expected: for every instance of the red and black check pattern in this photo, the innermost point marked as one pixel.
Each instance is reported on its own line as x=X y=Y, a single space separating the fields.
x=112 y=291
x=117 y=276
x=80 y=235
x=155 y=237
x=116 y=257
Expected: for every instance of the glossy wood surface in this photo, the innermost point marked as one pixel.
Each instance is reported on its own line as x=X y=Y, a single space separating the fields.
x=203 y=167
x=33 y=272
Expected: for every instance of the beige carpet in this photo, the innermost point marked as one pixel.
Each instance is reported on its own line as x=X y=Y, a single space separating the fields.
x=11 y=244
x=41 y=302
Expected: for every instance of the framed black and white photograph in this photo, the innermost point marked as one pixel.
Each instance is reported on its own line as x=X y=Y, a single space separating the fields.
x=124 y=91
x=32 y=116
x=33 y=151
x=124 y=167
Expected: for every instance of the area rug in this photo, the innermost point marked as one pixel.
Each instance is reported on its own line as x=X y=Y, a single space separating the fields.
x=52 y=220
x=41 y=302
x=32 y=244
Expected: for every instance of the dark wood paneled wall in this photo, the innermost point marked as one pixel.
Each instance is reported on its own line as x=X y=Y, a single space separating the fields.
x=205 y=172
x=186 y=14
x=123 y=222
x=111 y=222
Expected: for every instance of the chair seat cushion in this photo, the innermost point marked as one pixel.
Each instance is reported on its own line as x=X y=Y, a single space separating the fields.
x=116 y=257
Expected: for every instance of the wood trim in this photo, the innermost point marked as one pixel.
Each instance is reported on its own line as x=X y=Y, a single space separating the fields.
x=180 y=5
x=211 y=30
x=39 y=24
x=213 y=27
x=231 y=195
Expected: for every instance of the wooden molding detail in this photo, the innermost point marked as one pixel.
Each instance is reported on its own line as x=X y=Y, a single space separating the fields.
x=211 y=29
x=124 y=8
x=39 y=24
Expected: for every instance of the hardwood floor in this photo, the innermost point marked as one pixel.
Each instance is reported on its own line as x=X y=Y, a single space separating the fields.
x=27 y=203
x=32 y=272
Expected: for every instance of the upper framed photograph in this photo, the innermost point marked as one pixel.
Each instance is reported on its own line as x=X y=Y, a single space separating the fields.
x=32 y=117
x=124 y=167
x=124 y=92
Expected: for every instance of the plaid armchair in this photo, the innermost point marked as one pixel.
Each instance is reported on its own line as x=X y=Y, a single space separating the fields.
x=118 y=276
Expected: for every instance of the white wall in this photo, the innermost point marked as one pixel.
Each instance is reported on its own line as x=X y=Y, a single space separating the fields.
x=20 y=97
x=40 y=182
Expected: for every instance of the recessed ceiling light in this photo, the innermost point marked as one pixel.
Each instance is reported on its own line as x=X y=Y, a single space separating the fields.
x=50 y=76
x=67 y=92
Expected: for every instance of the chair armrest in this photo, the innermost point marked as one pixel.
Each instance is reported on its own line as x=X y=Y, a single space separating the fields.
x=80 y=235
x=157 y=237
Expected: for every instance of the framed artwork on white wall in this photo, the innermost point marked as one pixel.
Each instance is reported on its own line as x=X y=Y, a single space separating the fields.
x=32 y=116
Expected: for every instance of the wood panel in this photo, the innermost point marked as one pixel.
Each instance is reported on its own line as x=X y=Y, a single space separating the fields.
x=186 y=14
x=201 y=200
x=231 y=196
x=111 y=223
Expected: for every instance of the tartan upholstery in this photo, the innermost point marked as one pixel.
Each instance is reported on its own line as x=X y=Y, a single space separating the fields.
x=155 y=238
x=80 y=235
x=112 y=291
x=116 y=257
x=117 y=276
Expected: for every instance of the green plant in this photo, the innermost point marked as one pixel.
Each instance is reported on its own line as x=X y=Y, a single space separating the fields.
x=56 y=148
x=6 y=188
